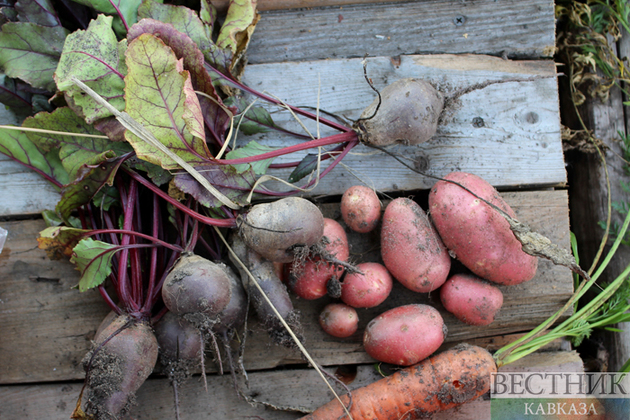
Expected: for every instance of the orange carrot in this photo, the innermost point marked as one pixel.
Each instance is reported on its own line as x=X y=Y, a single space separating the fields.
x=443 y=381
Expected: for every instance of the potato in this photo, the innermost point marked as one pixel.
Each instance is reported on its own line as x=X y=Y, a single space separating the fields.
x=360 y=208
x=369 y=289
x=339 y=320
x=411 y=248
x=276 y=229
x=310 y=280
x=405 y=335
x=472 y=300
x=477 y=234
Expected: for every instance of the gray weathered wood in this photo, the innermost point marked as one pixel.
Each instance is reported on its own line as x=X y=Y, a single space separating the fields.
x=507 y=133
x=265 y=5
x=47 y=326
x=588 y=194
x=514 y=28
x=293 y=387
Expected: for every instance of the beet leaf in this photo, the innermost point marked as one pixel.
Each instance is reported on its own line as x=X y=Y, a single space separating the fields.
x=216 y=117
x=181 y=18
x=89 y=181
x=255 y=119
x=20 y=148
x=251 y=149
x=58 y=241
x=125 y=12
x=94 y=260
x=74 y=152
x=31 y=52
x=306 y=166
x=225 y=178
x=12 y=96
x=95 y=57
x=238 y=27
x=160 y=96
x=40 y=12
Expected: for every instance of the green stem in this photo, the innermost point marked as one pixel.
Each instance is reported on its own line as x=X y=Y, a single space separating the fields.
x=506 y=354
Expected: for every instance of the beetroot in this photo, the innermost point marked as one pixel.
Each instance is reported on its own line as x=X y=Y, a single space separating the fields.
x=124 y=355
x=198 y=288
x=408 y=113
x=181 y=343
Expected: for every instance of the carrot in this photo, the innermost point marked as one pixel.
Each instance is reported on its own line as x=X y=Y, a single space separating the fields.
x=446 y=380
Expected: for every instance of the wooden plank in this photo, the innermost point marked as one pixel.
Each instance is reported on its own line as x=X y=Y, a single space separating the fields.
x=266 y=5
x=514 y=28
x=293 y=387
x=47 y=327
x=507 y=133
x=588 y=192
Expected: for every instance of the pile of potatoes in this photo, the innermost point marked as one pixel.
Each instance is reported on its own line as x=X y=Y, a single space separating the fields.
x=417 y=248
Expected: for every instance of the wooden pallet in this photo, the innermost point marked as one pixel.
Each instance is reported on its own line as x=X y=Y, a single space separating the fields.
x=507 y=132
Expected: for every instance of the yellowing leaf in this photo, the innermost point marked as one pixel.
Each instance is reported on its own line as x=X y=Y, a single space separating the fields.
x=58 y=241
x=95 y=57
x=239 y=24
x=159 y=95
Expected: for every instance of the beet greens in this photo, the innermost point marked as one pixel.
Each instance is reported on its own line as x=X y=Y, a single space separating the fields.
x=130 y=109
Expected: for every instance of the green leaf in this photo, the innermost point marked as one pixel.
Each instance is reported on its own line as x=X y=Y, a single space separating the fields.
x=156 y=173
x=236 y=186
x=40 y=12
x=58 y=241
x=612 y=329
x=251 y=149
x=256 y=120
x=160 y=96
x=106 y=197
x=305 y=167
x=95 y=57
x=189 y=23
x=74 y=152
x=31 y=52
x=12 y=96
x=8 y=14
x=19 y=147
x=208 y=15
x=182 y=18
x=94 y=260
x=213 y=110
x=89 y=181
x=239 y=24
x=52 y=219
x=128 y=10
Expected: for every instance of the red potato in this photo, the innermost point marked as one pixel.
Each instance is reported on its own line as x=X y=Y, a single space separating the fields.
x=411 y=249
x=472 y=300
x=310 y=283
x=360 y=208
x=339 y=320
x=405 y=335
x=477 y=234
x=369 y=289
